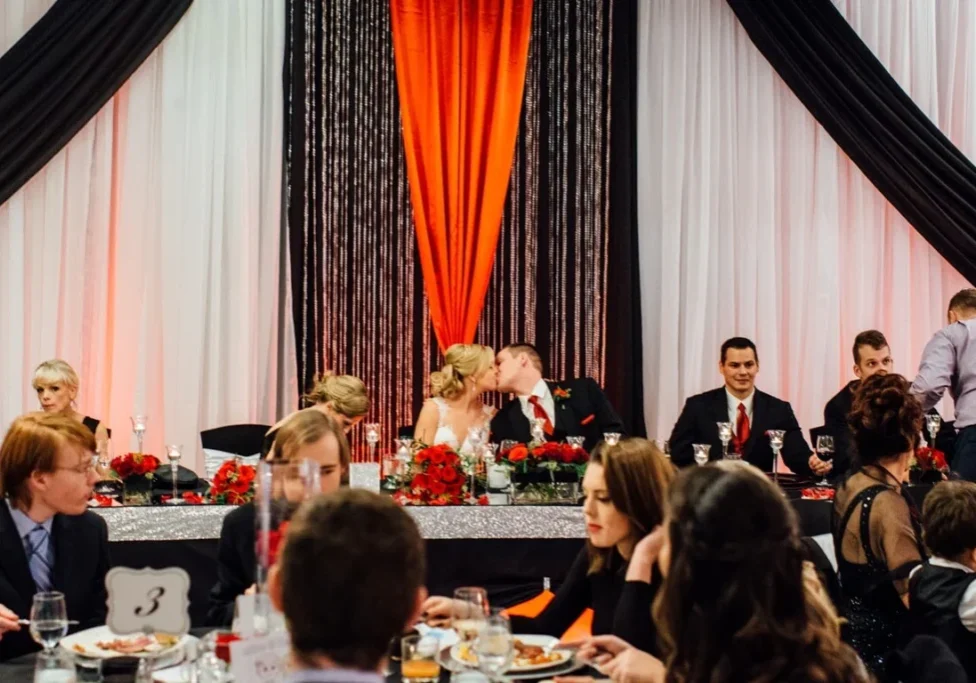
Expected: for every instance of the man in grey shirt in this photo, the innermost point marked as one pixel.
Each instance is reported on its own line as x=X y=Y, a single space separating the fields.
x=949 y=362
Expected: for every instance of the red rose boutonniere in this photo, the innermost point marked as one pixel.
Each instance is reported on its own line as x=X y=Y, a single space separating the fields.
x=560 y=394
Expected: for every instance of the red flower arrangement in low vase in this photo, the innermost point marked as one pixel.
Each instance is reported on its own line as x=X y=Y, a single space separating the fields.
x=134 y=464
x=931 y=459
x=233 y=484
x=547 y=456
x=436 y=478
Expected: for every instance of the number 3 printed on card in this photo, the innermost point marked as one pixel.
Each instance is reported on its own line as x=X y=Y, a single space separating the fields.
x=143 y=600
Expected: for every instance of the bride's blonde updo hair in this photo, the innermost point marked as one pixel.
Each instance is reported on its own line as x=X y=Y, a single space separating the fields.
x=346 y=393
x=460 y=362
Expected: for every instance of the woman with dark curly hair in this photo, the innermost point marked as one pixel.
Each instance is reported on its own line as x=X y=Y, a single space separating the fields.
x=877 y=537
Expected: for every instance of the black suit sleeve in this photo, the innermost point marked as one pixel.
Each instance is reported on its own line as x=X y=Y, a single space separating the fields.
x=835 y=420
x=99 y=594
x=572 y=598
x=606 y=416
x=233 y=578
x=632 y=621
x=796 y=452
x=682 y=436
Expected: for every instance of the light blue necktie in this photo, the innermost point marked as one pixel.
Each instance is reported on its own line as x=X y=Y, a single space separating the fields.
x=37 y=557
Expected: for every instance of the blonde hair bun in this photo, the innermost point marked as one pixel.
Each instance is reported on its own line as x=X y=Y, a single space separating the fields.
x=346 y=393
x=462 y=361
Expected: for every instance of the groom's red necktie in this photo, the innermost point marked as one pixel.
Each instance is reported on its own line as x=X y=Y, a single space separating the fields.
x=541 y=414
x=742 y=427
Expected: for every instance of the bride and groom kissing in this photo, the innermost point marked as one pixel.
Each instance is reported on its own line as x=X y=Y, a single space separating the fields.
x=573 y=407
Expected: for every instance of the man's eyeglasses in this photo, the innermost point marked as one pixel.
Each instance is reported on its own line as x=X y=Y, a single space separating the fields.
x=83 y=470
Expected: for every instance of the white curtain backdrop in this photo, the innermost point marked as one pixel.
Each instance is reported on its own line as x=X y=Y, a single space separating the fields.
x=753 y=222
x=148 y=252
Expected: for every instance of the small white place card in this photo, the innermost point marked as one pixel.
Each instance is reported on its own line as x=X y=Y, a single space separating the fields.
x=148 y=600
x=260 y=659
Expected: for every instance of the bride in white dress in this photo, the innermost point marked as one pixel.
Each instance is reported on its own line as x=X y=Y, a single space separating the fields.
x=456 y=405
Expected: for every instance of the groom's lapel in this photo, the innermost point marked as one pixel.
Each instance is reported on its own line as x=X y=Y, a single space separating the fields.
x=565 y=415
x=520 y=423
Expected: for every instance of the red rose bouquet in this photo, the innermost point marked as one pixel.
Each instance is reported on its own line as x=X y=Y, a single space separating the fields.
x=436 y=477
x=928 y=459
x=134 y=465
x=233 y=484
x=546 y=456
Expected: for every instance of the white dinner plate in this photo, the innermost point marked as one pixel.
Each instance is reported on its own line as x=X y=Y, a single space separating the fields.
x=528 y=639
x=87 y=641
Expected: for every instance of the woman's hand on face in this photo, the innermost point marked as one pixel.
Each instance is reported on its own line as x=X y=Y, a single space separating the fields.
x=645 y=555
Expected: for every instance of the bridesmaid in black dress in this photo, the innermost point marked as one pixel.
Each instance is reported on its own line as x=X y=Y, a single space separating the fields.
x=877 y=537
x=56 y=384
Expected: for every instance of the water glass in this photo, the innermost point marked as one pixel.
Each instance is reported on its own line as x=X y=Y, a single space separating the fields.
x=495 y=647
x=470 y=611
x=56 y=666
x=701 y=452
x=49 y=619
x=418 y=659
x=88 y=669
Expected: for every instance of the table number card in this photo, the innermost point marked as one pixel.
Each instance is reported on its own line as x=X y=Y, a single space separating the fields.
x=148 y=600
x=260 y=659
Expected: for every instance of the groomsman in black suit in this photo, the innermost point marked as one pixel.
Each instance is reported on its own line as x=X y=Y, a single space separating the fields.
x=49 y=540
x=572 y=407
x=872 y=356
x=751 y=412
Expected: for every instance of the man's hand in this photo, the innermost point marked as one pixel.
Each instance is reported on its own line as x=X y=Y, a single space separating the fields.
x=819 y=467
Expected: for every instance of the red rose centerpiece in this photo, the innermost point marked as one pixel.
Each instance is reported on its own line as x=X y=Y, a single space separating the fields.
x=233 y=484
x=435 y=477
x=928 y=466
x=134 y=465
x=545 y=472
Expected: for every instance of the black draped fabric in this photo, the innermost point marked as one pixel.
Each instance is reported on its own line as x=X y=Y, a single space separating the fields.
x=846 y=88
x=61 y=72
x=565 y=274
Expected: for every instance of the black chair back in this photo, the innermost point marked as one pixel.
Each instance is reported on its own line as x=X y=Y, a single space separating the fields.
x=242 y=439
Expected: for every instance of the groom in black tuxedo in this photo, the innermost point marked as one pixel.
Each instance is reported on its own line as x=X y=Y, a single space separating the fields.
x=751 y=412
x=573 y=407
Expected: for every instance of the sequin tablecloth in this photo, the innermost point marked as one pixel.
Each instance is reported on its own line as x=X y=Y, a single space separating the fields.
x=197 y=522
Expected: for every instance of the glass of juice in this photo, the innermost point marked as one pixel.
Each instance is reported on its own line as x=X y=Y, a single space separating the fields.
x=418 y=663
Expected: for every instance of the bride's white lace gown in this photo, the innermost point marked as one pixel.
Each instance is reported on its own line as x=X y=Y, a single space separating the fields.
x=446 y=435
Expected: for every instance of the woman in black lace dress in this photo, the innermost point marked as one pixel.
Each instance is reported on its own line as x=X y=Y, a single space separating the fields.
x=56 y=384
x=876 y=531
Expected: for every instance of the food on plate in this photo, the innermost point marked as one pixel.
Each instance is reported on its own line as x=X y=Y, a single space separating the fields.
x=79 y=649
x=817 y=494
x=137 y=644
x=525 y=655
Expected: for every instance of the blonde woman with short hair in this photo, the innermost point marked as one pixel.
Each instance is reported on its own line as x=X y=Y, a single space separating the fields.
x=56 y=384
x=456 y=405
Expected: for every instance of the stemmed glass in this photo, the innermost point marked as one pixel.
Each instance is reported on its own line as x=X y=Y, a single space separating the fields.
x=495 y=647
x=932 y=424
x=538 y=430
x=372 y=432
x=403 y=454
x=825 y=451
x=470 y=613
x=103 y=449
x=576 y=441
x=776 y=443
x=48 y=620
x=476 y=441
x=725 y=435
x=174 y=452
x=612 y=438
x=701 y=452
x=139 y=428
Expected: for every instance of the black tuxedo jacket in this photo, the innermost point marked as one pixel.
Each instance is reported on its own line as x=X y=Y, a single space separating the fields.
x=835 y=421
x=585 y=412
x=80 y=564
x=699 y=420
x=236 y=564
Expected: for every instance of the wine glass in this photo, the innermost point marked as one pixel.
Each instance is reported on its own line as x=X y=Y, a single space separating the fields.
x=470 y=613
x=612 y=438
x=825 y=451
x=174 y=452
x=139 y=428
x=776 y=443
x=495 y=647
x=56 y=666
x=725 y=435
x=701 y=452
x=48 y=619
x=403 y=455
x=932 y=423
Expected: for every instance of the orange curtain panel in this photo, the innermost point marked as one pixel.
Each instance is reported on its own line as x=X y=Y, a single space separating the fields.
x=460 y=67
